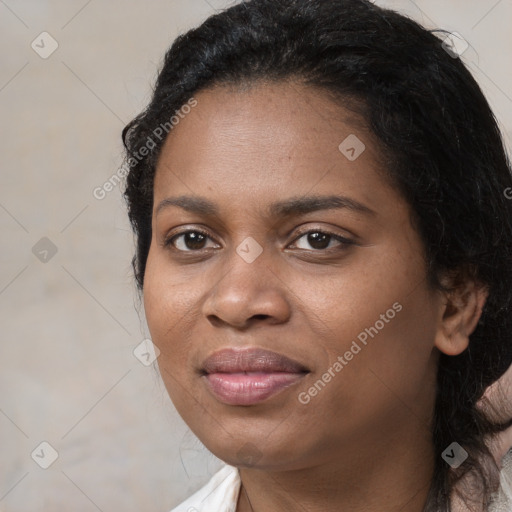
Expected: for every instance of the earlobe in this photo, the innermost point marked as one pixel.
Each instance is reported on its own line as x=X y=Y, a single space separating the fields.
x=460 y=312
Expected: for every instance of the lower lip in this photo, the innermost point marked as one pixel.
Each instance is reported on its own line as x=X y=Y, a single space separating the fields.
x=249 y=388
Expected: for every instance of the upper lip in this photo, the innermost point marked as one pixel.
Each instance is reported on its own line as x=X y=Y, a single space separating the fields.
x=231 y=360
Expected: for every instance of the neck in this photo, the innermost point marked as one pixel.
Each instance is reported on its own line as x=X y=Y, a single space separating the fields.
x=372 y=475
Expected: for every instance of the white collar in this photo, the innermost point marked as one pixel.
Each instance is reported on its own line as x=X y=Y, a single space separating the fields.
x=220 y=494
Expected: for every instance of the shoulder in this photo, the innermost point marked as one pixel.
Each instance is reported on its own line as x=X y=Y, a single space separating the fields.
x=502 y=500
x=220 y=494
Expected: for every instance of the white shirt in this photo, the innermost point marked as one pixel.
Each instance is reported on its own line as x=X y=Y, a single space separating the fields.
x=220 y=494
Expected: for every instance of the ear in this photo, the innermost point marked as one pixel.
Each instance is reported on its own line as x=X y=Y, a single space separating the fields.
x=461 y=309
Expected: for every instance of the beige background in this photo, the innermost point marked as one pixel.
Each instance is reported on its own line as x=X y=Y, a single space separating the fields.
x=68 y=375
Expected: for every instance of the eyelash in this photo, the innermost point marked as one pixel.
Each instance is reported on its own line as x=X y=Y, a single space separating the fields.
x=344 y=242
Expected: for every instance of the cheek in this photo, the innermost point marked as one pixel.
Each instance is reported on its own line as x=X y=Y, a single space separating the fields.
x=380 y=317
x=363 y=292
x=168 y=306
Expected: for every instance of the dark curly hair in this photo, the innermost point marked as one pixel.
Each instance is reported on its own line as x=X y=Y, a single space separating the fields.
x=442 y=147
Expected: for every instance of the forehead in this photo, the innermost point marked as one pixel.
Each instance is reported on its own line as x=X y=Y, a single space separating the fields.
x=281 y=116
x=268 y=141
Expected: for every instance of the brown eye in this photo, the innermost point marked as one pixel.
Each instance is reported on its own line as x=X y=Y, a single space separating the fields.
x=188 y=241
x=321 y=240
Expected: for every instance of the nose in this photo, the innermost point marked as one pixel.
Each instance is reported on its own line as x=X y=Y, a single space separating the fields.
x=248 y=293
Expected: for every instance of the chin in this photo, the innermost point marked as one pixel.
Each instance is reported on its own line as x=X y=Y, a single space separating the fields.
x=246 y=451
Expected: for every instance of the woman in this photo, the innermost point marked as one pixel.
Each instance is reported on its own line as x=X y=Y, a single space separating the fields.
x=324 y=246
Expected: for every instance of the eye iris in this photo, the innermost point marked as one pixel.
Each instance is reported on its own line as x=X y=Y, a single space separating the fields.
x=322 y=239
x=194 y=240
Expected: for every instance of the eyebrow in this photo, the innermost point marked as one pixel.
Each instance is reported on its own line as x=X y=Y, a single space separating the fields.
x=286 y=208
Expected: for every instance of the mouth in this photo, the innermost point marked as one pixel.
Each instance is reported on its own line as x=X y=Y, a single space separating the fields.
x=249 y=376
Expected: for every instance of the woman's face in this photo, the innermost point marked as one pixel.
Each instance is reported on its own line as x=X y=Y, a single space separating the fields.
x=263 y=268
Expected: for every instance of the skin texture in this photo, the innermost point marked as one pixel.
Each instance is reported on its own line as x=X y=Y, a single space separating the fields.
x=363 y=442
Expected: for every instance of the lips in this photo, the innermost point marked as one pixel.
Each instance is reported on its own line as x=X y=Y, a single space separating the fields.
x=249 y=376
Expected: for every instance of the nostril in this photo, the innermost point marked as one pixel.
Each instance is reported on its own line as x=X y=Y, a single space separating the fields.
x=260 y=317
x=216 y=321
